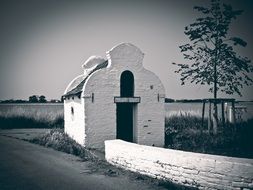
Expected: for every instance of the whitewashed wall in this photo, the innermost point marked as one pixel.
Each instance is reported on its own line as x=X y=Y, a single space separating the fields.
x=74 y=124
x=186 y=168
x=100 y=115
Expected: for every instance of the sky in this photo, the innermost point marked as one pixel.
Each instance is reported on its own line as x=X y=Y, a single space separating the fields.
x=43 y=43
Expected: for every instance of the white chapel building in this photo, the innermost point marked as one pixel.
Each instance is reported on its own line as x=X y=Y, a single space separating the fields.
x=115 y=98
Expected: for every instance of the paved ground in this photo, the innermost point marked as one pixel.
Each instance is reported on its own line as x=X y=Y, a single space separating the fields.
x=25 y=134
x=24 y=165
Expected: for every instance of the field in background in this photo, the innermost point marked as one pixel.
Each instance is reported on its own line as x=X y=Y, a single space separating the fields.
x=53 y=113
x=195 y=109
x=183 y=127
x=36 y=111
x=31 y=116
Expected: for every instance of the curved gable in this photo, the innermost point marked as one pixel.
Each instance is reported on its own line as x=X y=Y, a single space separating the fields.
x=74 y=83
x=81 y=80
x=122 y=57
x=125 y=55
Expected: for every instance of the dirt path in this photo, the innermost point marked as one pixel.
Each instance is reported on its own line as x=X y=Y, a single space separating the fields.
x=28 y=166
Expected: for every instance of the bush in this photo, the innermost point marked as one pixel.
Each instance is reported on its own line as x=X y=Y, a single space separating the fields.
x=185 y=132
x=58 y=140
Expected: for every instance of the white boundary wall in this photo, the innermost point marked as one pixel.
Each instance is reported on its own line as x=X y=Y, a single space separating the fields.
x=186 y=168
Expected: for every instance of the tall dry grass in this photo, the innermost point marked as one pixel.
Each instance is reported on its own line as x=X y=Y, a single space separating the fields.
x=58 y=140
x=31 y=116
x=37 y=112
x=195 y=113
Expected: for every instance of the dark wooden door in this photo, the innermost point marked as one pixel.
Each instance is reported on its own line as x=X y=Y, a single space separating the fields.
x=125 y=122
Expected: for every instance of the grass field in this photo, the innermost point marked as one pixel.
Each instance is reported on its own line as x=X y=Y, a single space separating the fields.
x=31 y=116
x=183 y=131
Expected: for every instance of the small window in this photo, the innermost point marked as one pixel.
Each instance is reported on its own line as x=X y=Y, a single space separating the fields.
x=73 y=97
x=151 y=87
x=72 y=113
x=92 y=97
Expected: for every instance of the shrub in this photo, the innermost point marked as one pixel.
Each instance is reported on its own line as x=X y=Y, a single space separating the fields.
x=185 y=132
x=58 y=140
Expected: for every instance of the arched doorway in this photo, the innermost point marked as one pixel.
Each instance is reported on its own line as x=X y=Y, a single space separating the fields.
x=125 y=110
x=127 y=84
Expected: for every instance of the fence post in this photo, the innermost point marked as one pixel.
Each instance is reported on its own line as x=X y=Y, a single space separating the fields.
x=233 y=113
x=222 y=113
x=203 y=114
x=210 y=116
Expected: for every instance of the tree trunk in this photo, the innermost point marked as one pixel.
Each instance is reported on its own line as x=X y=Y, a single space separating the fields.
x=215 y=111
x=215 y=120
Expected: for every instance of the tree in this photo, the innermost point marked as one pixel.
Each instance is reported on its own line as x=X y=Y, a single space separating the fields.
x=213 y=60
x=33 y=99
x=42 y=99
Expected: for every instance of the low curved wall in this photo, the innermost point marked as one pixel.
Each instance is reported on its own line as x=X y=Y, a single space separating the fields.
x=186 y=168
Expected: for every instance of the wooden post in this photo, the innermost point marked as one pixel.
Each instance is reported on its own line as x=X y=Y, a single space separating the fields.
x=203 y=114
x=233 y=112
x=210 y=116
x=226 y=112
x=222 y=113
x=217 y=102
